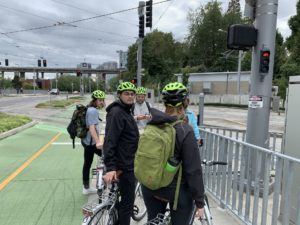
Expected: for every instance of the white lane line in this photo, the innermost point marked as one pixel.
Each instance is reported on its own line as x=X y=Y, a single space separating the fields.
x=65 y=143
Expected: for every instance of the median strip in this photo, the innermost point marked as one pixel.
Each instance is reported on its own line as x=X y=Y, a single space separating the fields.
x=27 y=163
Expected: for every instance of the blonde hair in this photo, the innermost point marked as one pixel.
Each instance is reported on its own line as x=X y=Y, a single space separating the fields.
x=177 y=111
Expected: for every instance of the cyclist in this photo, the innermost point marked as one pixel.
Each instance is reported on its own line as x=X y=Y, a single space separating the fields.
x=120 y=145
x=141 y=108
x=186 y=151
x=91 y=142
x=192 y=120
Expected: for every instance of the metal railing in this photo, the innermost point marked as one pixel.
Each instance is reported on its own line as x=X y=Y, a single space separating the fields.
x=265 y=194
x=275 y=139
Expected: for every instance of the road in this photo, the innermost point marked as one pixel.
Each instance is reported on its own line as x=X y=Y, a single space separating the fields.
x=48 y=190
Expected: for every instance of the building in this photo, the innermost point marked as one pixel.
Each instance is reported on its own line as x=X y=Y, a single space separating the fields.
x=122 y=59
x=110 y=65
x=218 y=83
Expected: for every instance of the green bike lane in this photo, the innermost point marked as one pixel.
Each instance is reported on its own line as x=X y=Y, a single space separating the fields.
x=40 y=175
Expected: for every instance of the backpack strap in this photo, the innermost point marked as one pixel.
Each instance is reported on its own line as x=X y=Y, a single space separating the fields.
x=173 y=124
x=177 y=188
x=148 y=106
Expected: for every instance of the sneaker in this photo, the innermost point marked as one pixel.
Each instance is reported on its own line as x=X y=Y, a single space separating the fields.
x=90 y=190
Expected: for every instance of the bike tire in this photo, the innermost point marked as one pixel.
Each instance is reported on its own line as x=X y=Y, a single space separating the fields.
x=105 y=215
x=139 y=208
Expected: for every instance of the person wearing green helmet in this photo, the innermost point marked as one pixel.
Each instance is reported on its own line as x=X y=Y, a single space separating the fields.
x=186 y=152
x=120 y=144
x=91 y=143
x=141 y=109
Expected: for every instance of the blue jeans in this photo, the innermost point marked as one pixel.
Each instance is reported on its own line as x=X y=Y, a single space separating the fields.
x=154 y=206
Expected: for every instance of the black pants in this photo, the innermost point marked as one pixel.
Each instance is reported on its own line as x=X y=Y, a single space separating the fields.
x=89 y=151
x=154 y=206
x=126 y=184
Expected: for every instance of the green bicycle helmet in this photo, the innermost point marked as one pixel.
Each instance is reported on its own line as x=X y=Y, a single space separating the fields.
x=98 y=94
x=174 y=94
x=141 y=91
x=126 y=86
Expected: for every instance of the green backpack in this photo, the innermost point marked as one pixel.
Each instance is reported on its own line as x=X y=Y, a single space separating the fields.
x=156 y=146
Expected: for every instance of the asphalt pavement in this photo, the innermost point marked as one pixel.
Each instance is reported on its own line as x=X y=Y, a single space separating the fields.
x=40 y=173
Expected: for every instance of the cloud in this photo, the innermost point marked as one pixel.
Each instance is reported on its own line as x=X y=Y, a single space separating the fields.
x=94 y=40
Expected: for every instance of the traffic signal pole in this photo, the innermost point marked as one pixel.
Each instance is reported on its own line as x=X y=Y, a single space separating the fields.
x=265 y=13
x=140 y=42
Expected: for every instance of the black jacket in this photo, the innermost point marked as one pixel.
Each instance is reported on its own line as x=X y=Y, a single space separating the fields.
x=121 y=137
x=186 y=150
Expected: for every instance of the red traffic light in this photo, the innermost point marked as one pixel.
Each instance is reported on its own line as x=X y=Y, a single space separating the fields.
x=266 y=54
x=264 y=61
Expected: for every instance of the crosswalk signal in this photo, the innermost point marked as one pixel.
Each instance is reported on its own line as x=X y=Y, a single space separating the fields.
x=44 y=62
x=6 y=62
x=142 y=26
x=78 y=73
x=39 y=63
x=149 y=14
x=264 y=61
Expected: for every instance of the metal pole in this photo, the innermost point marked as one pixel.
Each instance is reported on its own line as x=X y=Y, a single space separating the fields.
x=81 y=84
x=139 y=60
x=201 y=109
x=140 y=47
x=239 y=72
x=261 y=86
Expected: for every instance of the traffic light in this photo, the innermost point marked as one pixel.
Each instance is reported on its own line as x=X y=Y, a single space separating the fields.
x=39 y=63
x=6 y=62
x=264 y=61
x=78 y=73
x=134 y=81
x=44 y=62
x=142 y=26
x=149 y=14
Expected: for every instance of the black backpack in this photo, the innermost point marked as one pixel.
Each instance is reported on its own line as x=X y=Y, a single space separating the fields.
x=77 y=126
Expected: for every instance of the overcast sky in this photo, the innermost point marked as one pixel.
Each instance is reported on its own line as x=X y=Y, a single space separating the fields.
x=93 y=40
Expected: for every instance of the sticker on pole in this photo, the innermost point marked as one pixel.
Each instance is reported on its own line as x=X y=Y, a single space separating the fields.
x=255 y=102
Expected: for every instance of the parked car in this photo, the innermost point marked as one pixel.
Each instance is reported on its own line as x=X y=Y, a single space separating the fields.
x=54 y=91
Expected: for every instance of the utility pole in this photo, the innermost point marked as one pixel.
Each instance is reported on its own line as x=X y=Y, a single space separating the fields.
x=140 y=41
x=239 y=73
x=265 y=14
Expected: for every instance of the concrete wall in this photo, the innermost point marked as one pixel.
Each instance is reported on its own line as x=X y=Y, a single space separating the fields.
x=221 y=99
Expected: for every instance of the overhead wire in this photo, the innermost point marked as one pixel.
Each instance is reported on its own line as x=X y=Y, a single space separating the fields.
x=77 y=21
x=88 y=11
x=163 y=13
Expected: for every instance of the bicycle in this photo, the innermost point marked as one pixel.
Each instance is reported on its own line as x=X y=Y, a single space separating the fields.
x=105 y=211
x=165 y=219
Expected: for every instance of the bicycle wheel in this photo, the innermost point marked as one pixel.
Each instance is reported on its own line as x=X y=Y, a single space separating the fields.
x=104 y=216
x=139 y=208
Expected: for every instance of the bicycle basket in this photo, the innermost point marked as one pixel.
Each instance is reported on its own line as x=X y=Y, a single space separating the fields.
x=160 y=219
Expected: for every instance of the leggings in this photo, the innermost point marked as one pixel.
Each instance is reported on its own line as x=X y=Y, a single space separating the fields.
x=89 y=151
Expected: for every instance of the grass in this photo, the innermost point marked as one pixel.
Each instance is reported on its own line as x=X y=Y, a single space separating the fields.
x=59 y=103
x=8 y=122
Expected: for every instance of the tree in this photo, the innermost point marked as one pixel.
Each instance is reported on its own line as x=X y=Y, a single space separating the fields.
x=16 y=83
x=162 y=56
x=293 y=42
x=207 y=36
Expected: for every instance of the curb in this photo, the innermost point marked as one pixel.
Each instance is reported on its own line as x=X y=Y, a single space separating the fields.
x=17 y=129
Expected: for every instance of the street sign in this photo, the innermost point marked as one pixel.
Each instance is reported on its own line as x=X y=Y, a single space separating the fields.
x=255 y=102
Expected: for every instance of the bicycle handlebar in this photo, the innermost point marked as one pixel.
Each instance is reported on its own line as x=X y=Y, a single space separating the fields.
x=212 y=163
